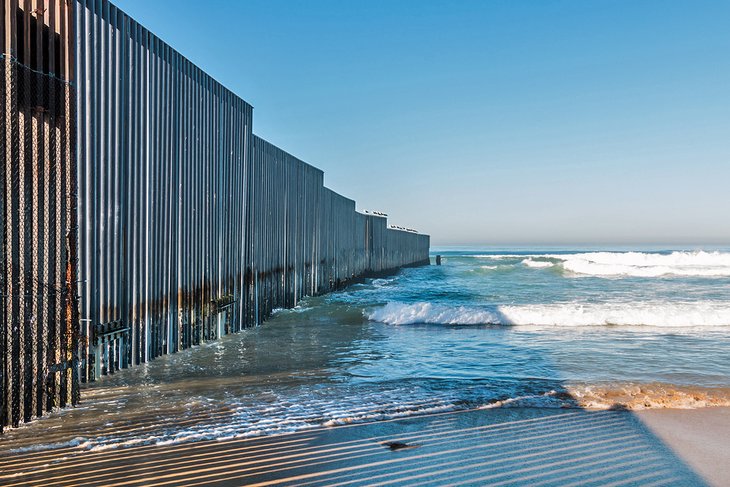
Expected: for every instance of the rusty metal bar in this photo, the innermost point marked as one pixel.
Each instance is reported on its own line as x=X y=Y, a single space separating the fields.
x=37 y=238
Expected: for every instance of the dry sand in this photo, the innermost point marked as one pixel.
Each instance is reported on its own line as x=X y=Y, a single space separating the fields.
x=699 y=436
x=488 y=447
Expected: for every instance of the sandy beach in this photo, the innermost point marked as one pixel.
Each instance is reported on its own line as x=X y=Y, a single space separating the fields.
x=520 y=446
x=699 y=436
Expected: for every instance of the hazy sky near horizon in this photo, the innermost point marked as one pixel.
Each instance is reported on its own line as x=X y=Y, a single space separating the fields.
x=503 y=122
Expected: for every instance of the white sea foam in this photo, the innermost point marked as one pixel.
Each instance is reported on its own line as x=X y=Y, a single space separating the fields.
x=500 y=267
x=665 y=314
x=497 y=256
x=382 y=282
x=649 y=265
x=296 y=309
x=407 y=314
x=537 y=263
x=79 y=442
x=634 y=264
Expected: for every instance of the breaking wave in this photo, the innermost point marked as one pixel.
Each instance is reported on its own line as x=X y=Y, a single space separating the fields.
x=633 y=264
x=660 y=314
x=537 y=263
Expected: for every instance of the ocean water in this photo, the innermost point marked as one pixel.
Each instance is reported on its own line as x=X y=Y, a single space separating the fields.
x=488 y=328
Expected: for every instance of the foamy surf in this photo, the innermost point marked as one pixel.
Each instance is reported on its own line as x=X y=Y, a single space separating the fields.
x=633 y=396
x=637 y=264
x=281 y=417
x=624 y=396
x=658 y=314
x=285 y=416
x=537 y=263
x=630 y=264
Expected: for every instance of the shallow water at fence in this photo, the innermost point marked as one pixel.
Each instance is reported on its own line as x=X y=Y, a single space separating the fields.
x=486 y=329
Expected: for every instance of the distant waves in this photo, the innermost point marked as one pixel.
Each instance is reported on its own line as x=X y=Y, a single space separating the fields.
x=628 y=264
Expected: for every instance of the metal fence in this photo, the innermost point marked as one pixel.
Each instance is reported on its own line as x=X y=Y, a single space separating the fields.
x=162 y=182
x=188 y=226
x=306 y=239
x=38 y=305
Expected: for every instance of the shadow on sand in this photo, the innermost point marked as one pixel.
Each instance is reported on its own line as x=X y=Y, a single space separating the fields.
x=521 y=446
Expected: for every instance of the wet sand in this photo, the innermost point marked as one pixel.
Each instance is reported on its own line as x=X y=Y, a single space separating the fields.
x=495 y=447
x=699 y=436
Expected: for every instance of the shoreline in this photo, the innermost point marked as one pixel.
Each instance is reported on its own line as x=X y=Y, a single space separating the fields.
x=503 y=445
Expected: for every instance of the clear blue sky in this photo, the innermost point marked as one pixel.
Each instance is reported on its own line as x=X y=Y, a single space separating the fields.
x=528 y=122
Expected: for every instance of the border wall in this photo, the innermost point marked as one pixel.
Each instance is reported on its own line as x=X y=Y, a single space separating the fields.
x=140 y=215
x=38 y=305
x=162 y=178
